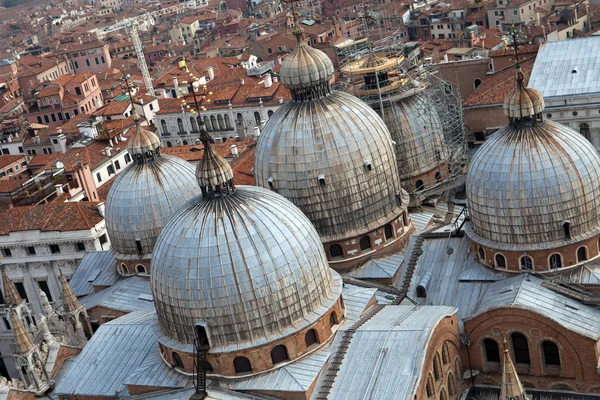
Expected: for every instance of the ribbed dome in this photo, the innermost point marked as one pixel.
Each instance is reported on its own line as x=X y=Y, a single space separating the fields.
x=143 y=198
x=142 y=141
x=342 y=140
x=305 y=67
x=523 y=102
x=529 y=178
x=248 y=264
x=417 y=130
x=212 y=170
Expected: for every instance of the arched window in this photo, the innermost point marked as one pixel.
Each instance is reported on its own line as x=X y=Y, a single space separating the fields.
x=445 y=354
x=584 y=129
x=500 y=261
x=335 y=250
x=242 y=365
x=481 y=253
x=240 y=119
x=492 y=353
x=228 y=122
x=269 y=113
x=551 y=354
x=194 y=124
x=389 y=231
x=582 y=254
x=555 y=261
x=438 y=177
x=310 y=338
x=201 y=336
x=140 y=269
x=430 y=388
x=185 y=143
x=125 y=269
x=437 y=368
x=526 y=263
x=520 y=348
x=279 y=354
x=333 y=320
x=476 y=83
x=213 y=123
x=169 y=144
x=221 y=122
x=163 y=126
x=451 y=384
x=177 y=360
x=207 y=123
x=257 y=118
x=443 y=395
x=567 y=228
x=180 y=126
x=419 y=185
x=365 y=243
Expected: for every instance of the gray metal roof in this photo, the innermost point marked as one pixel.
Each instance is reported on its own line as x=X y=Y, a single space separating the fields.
x=378 y=268
x=356 y=299
x=249 y=265
x=127 y=295
x=154 y=372
x=525 y=181
x=386 y=355
x=115 y=351
x=96 y=268
x=335 y=137
x=528 y=293
x=553 y=75
x=143 y=198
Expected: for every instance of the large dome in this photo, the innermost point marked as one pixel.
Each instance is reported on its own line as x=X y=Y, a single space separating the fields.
x=526 y=181
x=145 y=195
x=249 y=265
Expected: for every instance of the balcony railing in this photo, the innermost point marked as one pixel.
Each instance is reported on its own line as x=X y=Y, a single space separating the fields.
x=35 y=193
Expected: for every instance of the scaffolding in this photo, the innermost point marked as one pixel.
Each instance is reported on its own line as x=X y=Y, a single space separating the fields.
x=422 y=111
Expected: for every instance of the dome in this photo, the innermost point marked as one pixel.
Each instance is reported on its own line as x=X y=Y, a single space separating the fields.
x=523 y=102
x=332 y=157
x=142 y=141
x=306 y=67
x=249 y=265
x=212 y=170
x=417 y=130
x=527 y=180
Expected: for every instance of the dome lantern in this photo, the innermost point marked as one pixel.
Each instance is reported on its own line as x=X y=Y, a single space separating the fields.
x=144 y=145
x=213 y=172
x=523 y=103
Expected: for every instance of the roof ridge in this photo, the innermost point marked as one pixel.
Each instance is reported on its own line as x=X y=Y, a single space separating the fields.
x=83 y=215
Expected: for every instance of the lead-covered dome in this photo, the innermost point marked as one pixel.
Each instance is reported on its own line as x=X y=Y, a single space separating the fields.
x=145 y=195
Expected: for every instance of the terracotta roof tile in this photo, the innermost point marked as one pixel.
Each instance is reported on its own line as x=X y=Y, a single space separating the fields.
x=243 y=166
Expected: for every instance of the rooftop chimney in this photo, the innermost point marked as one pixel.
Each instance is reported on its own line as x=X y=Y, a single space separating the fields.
x=242 y=82
x=234 y=150
x=211 y=73
x=268 y=81
x=101 y=208
x=59 y=189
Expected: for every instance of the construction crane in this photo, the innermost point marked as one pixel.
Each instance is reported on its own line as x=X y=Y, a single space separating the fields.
x=131 y=26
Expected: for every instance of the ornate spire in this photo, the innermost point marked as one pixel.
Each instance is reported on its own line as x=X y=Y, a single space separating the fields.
x=11 y=295
x=22 y=339
x=70 y=302
x=213 y=172
x=511 y=385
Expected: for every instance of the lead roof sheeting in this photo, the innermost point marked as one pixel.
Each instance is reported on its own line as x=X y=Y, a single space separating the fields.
x=154 y=372
x=122 y=296
x=356 y=299
x=552 y=72
x=294 y=377
x=386 y=354
x=94 y=265
x=528 y=293
x=115 y=351
x=384 y=267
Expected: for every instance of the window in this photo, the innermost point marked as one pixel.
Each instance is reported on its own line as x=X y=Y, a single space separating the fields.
x=87 y=62
x=555 y=261
x=443 y=395
x=194 y=124
x=481 y=253
x=54 y=248
x=7 y=252
x=365 y=243
x=102 y=239
x=520 y=348
x=451 y=384
x=117 y=165
x=476 y=83
x=180 y=126
x=96 y=59
x=140 y=269
x=80 y=246
x=567 y=228
x=138 y=245
x=584 y=129
x=551 y=354
x=44 y=288
x=21 y=289
x=127 y=158
x=241 y=365
x=492 y=353
x=526 y=263
x=335 y=250
x=31 y=250
x=438 y=176
x=515 y=12
x=6 y=324
x=125 y=269
x=437 y=367
x=310 y=338
x=279 y=354
x=178 y=361
x=110 y=170
x=257 y=118
x=389 y=231
x=582 y=254
x=76 y=65
x=445 y=354
x=333 y=320
x=430 y=387
x=500 y=261
x=78 y=91
x=419 y=185
x=98 y=177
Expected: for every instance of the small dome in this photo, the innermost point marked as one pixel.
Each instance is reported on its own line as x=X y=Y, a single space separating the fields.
x=332 y=157
x=305 y=67
x=143 y=198
x=142 y=141
x=247 y=264
x=213 y=170
x=523 y=103
x=527 y=180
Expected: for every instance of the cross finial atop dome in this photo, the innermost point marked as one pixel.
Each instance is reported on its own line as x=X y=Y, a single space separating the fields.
x=213 y=172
